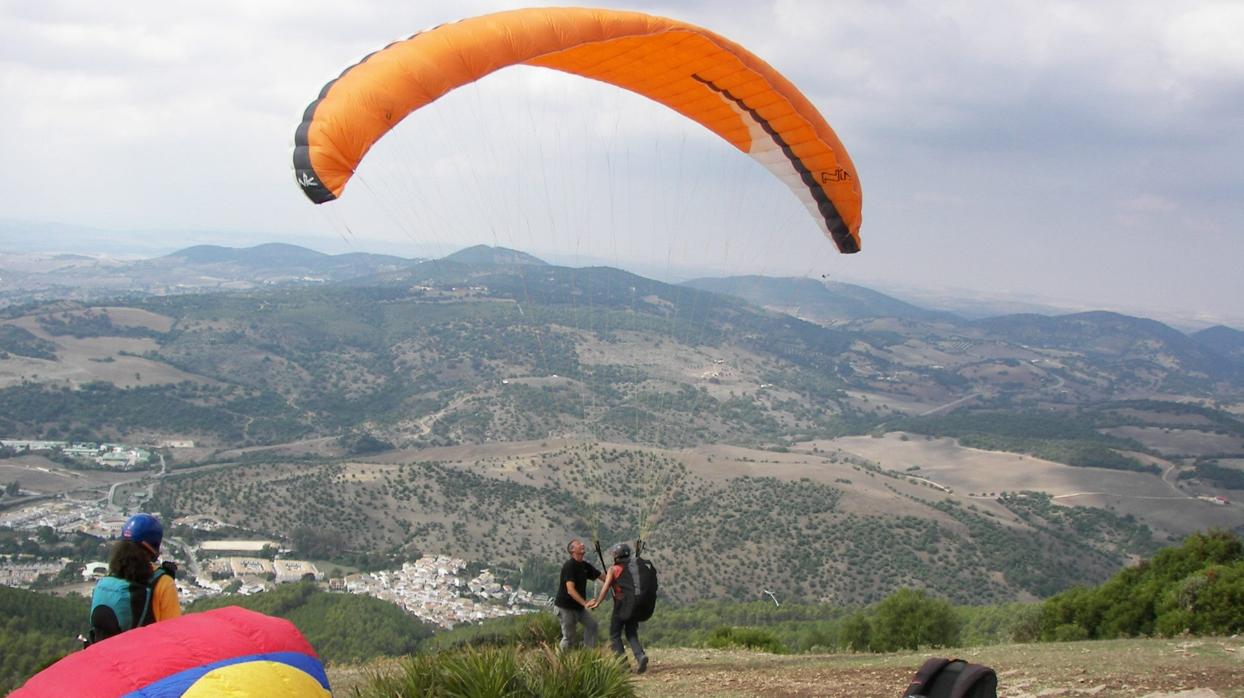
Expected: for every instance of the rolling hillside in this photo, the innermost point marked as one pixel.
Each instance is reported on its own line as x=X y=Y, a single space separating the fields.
x=859 y=531
x=479 y=406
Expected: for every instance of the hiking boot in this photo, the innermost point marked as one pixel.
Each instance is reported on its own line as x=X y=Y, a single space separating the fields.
x=642 y=665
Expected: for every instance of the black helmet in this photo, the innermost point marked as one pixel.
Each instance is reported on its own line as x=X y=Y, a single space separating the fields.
x=620 y=551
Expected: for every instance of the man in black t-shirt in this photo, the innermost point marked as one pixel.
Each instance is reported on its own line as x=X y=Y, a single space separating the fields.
x=572 y=605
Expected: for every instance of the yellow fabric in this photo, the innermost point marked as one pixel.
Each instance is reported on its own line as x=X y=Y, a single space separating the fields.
x=256 y=680
x=164 y=601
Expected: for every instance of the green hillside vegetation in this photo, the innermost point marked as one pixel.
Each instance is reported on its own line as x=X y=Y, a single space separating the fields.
x=102 y=410
x=1134 y=346
x=91 y=323
x=509 y=511
x=1197 y=587
x=341 y=627
x=906 y=619
x=1219 y=421
x=1089 y=526
x=526 y=631
x=317 y=361
x=1214 y=473
x=20 y=342
x=35 y=631
x=1069 y=439
x=445 y=353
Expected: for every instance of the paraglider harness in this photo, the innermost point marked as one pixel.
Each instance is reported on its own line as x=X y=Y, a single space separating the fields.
x=118 y=605
x=947 y=677
x=638 y=584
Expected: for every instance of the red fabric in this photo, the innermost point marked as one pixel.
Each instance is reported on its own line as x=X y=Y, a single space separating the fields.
x=142 y=656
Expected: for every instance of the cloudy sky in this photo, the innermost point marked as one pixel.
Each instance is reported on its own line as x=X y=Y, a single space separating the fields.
x=1085 y=153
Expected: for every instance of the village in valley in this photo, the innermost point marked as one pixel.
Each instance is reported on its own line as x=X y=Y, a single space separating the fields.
x=436 y=588
x=104 y=455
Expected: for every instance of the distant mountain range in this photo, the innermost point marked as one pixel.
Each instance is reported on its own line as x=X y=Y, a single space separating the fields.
x=212 y=268
x=272 y=263
x=822 y=302
x=199 y=269
x=1124 y=339
x=1224 y=340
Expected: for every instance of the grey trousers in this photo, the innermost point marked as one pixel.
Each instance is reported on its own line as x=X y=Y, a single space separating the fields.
x=572 y=617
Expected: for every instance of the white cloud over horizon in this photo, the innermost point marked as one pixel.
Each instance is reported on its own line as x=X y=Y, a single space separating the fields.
x=1063 y=149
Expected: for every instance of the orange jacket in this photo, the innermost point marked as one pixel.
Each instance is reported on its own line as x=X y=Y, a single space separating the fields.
x=164 y=601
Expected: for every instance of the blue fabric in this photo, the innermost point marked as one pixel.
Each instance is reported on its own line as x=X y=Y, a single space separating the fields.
x=176 y=684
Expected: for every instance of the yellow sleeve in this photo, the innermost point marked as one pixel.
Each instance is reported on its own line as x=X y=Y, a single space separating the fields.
x=164 y=601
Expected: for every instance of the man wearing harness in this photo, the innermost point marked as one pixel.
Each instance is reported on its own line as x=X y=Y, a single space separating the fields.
x=621 y=620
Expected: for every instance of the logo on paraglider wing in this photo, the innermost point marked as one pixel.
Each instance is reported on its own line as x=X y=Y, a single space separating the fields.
x=837 y=175
x=306 y=181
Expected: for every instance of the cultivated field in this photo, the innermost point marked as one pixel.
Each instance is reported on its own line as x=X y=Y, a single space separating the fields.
x=971 y=471
x=87 y=359
x=40 y=475
x=1180 y=442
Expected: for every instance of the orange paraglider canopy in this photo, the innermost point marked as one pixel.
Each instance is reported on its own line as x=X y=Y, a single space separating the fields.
x=696 y=72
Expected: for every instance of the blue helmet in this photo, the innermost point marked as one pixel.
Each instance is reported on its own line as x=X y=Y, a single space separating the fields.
x=145 y=529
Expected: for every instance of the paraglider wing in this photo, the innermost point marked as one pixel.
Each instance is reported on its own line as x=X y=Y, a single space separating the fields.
x=696 y=72
x=226 y=652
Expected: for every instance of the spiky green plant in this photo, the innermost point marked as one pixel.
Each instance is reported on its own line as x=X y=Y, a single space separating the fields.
x=504 y=672
x=577 y=674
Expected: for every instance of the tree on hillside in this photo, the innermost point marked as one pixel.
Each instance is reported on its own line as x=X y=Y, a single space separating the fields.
x=911 y=619
x=318 y=543
x=857 y=633
x=1207 y=602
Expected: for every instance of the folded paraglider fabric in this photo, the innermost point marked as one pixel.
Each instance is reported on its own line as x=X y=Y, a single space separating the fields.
x=229 y=652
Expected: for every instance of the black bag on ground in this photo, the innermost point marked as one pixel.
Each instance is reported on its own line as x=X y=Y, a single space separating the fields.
x=940 y=677
x=639 y=590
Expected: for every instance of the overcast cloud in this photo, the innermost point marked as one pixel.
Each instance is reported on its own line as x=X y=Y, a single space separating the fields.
x=1087 y=152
